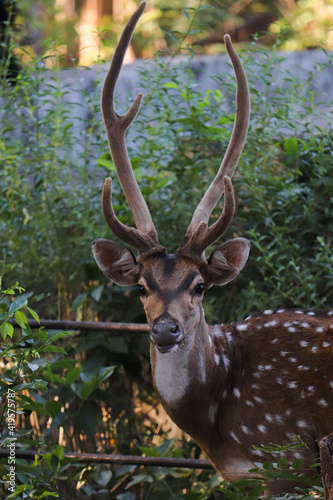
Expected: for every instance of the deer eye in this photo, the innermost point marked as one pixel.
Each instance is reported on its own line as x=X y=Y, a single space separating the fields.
x=141 y=289
x=199 y=289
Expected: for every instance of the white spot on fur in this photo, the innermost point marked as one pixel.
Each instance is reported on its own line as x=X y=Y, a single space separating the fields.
x=284 y=353
x=236 y=392
x=314 y=348
x=292 y=385
x=262 y=428
x=305 y=325
x=268 y=311
x=299 y=312
x=212 y=412
x=241 y=328
x=229 y=337
x=292 y=329
x=319 y=329
x=233 y=435
x=274 y=322
x=258 y=453
x=280 y=310
x=249 y=403
x=217 y=359
x=326 y=344
x=274 y=341
x=245 y=429
x=303 y=368
x=293 y=360
x=303 y=343
x=331 y=384
x=217 y=331
x=302 y=424
x=202 y=367
x=210 y=341
x=226 y=362
x=323 y=402
x=311 y=313
x=258 y=400
x=269 y=418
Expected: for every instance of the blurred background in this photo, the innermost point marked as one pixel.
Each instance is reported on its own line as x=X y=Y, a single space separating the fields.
x=86 y=30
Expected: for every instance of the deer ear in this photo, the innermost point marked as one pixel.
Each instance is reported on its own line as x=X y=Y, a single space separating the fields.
x=227 y=261
x=117 y=262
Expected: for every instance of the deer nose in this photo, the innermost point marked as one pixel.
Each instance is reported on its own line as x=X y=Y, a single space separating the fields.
x=165 y=335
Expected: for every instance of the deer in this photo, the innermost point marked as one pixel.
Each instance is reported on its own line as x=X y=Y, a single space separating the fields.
x=231 y=387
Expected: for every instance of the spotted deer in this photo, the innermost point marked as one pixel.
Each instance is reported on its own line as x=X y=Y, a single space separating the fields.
x=263 y=380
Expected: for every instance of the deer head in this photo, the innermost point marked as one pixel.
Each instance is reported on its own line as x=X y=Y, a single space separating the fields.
x=171 y=285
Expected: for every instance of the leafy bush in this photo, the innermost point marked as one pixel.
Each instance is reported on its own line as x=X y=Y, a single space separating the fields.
x=51 y=188
x=53 y=164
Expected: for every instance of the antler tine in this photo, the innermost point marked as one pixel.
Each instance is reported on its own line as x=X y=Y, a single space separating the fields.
x=194 y=245
x=116 y=127
x=145 y=243
x=235 y=147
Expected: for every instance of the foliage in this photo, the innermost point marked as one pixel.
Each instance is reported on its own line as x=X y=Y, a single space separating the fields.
x=51 y=188
x=308 y=24
x=53 y=161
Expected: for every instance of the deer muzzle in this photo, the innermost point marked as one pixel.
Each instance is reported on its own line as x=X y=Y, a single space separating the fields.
x=166 y=333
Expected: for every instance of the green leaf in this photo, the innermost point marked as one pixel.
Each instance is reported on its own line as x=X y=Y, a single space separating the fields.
x=36 y=363
x=298 y=463
x=139 y=478
x=18 y=304
x=171 y=85
x=52 y=348
x=97 y=292
x=291 y=145
x=88 y=388
x=57 y=336
x=6 y=329
x=282 y=463
x=108 y=164
x=34 y=314
x=20 y=318
x=73 y=375
x=53 y=407
x=105 y=373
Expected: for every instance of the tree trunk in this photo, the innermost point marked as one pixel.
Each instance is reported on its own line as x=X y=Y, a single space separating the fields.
x=326 y=456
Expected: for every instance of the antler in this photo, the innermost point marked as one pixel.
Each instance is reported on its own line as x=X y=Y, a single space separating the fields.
x=199 y=236
x=144 y=238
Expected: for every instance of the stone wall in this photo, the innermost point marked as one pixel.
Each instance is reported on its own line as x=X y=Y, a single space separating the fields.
x=298 y=64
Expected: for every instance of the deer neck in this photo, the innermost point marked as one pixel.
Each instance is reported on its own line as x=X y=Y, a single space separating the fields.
x=190 y=379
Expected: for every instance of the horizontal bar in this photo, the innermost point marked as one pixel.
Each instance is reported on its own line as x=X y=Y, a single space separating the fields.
x=187 y=463
x=54 y=324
